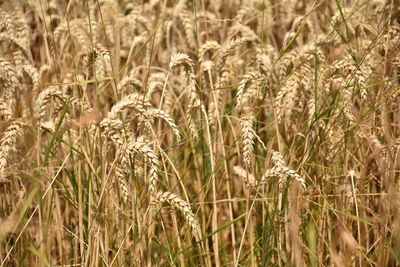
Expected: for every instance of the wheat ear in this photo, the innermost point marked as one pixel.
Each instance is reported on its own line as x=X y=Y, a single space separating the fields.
x=181 y=205
x=8 y=143
x=138 y=146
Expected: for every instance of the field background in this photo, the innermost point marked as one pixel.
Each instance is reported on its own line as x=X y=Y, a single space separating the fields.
x=199 y=133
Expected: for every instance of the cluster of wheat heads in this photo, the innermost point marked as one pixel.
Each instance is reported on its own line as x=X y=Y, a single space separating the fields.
x=199 y=133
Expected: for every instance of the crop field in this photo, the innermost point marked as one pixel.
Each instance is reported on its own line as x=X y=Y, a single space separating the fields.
x=199 y=133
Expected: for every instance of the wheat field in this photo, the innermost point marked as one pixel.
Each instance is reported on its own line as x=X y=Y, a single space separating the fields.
x=199 y=133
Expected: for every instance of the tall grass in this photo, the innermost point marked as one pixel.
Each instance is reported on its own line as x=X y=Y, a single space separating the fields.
x=199 y=133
